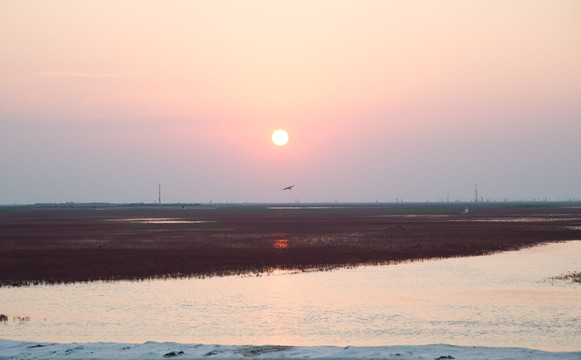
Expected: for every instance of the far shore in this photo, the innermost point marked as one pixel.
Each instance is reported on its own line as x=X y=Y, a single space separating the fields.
x=63 y=244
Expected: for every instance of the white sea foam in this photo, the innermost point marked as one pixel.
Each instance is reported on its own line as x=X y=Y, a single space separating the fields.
x=154 y=350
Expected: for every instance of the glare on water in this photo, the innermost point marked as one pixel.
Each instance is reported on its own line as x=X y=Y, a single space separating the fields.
x=499 y=300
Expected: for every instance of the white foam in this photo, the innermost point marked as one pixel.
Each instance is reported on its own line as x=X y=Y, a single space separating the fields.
x=153 y=350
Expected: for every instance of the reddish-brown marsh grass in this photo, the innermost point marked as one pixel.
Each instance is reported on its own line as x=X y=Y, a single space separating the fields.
x=40 y=245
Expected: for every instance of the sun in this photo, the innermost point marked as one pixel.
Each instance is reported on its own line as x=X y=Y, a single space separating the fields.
x=280 y=137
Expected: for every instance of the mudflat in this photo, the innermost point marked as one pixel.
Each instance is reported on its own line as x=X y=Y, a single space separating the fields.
x=60 y=244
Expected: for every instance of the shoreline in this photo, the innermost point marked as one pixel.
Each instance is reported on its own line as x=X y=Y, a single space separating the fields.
x=186 y=317
x=156 y=350
x=53 y=246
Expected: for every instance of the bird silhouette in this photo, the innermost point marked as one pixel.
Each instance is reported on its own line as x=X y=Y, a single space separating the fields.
x=288 y=188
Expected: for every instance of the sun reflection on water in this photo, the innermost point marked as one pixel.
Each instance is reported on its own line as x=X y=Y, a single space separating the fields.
x=281 y=244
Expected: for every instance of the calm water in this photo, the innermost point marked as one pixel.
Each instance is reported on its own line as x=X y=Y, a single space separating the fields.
x=499 y=300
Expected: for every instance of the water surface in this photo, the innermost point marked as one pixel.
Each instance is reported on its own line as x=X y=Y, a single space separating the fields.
x=498 y=300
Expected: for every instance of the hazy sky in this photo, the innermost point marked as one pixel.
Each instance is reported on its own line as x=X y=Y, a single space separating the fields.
x=416 y=100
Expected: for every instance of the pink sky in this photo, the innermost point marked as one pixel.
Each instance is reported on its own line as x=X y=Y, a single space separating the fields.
x=383 y=100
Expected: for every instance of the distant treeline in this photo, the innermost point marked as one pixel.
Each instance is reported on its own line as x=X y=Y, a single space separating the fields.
x=403 y=207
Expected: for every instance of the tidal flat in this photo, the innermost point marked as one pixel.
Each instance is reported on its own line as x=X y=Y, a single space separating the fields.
x=67 y=244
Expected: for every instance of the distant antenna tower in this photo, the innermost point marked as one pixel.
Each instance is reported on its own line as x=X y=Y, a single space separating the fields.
x=476 y=193
x=159 y=193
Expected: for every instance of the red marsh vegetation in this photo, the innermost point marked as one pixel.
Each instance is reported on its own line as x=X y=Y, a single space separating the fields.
x=61 y=245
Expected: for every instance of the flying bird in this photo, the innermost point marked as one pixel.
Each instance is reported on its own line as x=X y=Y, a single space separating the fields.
x=288 y=188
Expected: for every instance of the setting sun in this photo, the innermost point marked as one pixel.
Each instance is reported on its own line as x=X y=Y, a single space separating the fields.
x=280 y=137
